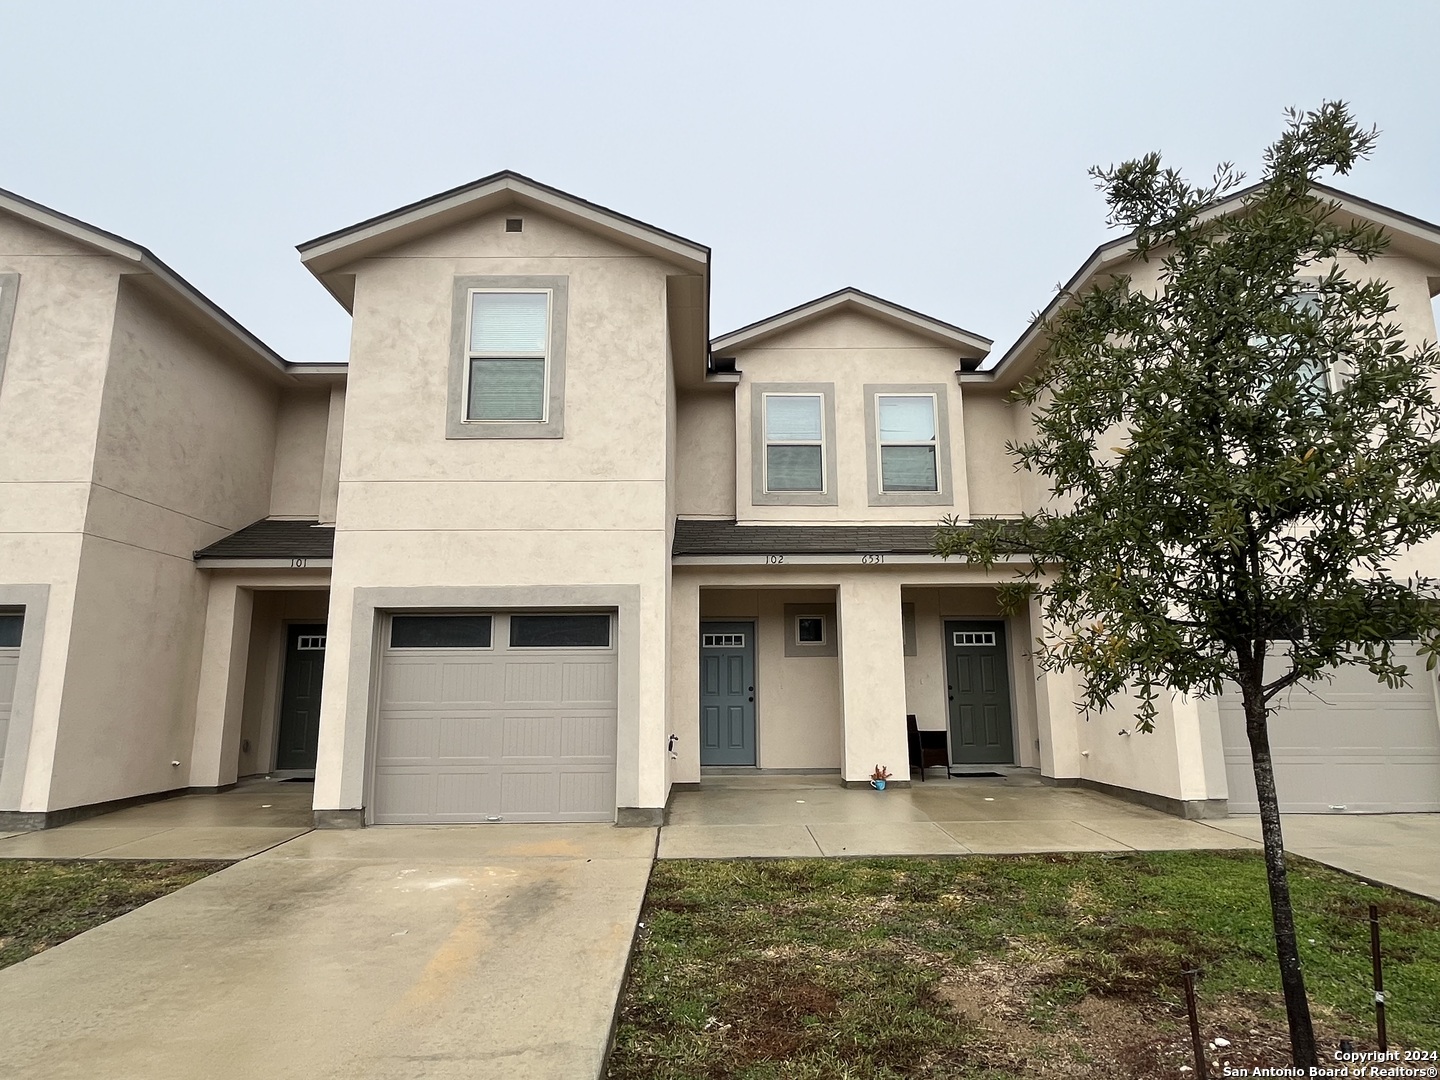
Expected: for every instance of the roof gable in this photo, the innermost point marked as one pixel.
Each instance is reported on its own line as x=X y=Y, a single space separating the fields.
x=854 y=300
x=170 y=285
x=327 y=254
x=1409 y=234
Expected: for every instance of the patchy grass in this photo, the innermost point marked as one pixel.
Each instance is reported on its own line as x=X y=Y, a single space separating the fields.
x=1034 y=966
x=44 y=902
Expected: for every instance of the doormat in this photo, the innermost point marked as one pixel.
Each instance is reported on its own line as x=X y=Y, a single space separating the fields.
x=972 y=775
x=311 y=779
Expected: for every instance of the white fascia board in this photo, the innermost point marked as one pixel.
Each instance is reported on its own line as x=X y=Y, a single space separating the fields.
x=299 y=563
x=878 y=558
x=335 y=250
x=756 y=332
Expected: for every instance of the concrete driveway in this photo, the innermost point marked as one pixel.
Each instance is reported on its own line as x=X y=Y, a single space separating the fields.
x=451 y=951
x=1397 y=849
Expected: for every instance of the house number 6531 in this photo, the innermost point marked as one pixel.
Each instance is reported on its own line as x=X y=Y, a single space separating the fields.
x=871 y=560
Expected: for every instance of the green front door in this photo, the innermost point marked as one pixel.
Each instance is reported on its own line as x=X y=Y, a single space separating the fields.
x=981 y=729
x=727 y=693
x=300 y=698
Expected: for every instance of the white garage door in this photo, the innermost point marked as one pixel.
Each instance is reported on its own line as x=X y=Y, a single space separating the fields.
x=496 y=717
x=1352 y=744
x=10 y=627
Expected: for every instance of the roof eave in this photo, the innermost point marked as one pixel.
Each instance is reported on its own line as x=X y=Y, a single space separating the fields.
x=336 y=249
x=942 y=332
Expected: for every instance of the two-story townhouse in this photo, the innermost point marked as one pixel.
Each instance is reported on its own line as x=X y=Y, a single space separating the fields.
x=138 y=422
x=542 y=550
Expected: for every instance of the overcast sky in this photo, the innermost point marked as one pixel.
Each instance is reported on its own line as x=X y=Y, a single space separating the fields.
x=934 y=154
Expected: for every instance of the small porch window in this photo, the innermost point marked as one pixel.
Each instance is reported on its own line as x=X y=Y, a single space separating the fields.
x=810 y=630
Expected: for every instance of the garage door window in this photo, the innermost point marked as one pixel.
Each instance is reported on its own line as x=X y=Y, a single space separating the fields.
x=10 y=632
x=440 y=632
x=559 y=631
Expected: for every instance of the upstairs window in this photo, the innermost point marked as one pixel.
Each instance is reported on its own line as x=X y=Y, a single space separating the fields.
x=508 y=356
x=906 y=429
x=794 y=442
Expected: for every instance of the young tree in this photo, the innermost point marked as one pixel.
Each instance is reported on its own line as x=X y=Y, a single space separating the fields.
x=1236 y=455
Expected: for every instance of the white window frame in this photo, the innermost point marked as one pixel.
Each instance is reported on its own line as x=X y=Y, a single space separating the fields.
x=722 y=641
x=821 y=641
x=766 y=442
x=470 y=356
x=881 y=443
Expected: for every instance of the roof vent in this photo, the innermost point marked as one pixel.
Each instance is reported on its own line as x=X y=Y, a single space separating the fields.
x=514 y=224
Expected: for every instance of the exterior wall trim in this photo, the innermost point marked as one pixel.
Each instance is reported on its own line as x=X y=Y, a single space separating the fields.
x=34 y=600
x=945 y=495
x=372 y=604
x=553 y=426
x=1189 y=809
x=9 y=292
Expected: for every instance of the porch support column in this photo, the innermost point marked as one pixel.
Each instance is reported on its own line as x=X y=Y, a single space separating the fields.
x=1056 y=716
x=872 y=678
x=684 y=718
x=215 y=751
x=1203 y=786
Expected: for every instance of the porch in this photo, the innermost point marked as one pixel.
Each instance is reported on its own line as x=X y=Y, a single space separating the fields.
x=819 y=670
x=770 y=816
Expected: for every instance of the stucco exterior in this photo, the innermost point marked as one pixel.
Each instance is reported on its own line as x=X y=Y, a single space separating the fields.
x=174 y=497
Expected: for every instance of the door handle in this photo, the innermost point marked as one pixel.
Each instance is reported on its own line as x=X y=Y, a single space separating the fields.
x=752 y=697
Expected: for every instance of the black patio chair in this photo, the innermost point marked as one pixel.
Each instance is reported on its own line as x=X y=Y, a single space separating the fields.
x=927 y=748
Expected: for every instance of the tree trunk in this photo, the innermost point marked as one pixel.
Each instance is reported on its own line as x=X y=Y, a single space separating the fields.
x=1292 y=978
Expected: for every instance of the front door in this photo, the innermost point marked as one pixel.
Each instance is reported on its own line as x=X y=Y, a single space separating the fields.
x=727 y=693
x=300 y=698
x=981 y=732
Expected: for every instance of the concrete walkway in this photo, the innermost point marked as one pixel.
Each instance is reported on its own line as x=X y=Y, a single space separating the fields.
x=1398 y=849
x=446 y=952
x=254 y=816
x=798 y=816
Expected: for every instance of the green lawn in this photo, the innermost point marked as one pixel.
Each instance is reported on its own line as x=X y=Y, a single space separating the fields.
x=1025 y=966
x=42 y=903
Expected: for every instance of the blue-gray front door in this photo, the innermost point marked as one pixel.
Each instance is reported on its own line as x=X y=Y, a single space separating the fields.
x=979 y=687
x=727 y=693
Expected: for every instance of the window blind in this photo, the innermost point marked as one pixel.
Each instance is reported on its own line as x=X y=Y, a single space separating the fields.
x=907 y=419
x=508 y=324
x=507 y=389
x=792 y=418
x=908 y=468
x=793 y=468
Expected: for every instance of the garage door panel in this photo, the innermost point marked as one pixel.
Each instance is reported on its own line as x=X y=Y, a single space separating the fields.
x=476 y=683
x=1351 y=743
x=407 y=740
x=581 y=791
x=498 y=733
x=588 y=737
x=588 y=683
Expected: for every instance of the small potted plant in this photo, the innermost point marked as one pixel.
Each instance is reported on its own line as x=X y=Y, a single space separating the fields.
x=878 y=777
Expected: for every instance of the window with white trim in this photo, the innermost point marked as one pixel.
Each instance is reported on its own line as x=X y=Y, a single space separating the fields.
x=507 y=355
x=810 y=630
x=794 y=442
x=905 y=429
x=722 y=641
x=973 y=638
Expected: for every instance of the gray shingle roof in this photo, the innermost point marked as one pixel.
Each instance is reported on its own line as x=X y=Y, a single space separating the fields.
x=728 y=538
x=268 y=539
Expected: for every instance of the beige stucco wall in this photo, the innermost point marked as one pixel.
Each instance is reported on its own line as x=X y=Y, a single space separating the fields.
x=417 y=509
x=849 y=349
x=183 y=456
x=301 y=429
x=705 y=454
x=996 y=490
x=50 y=398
